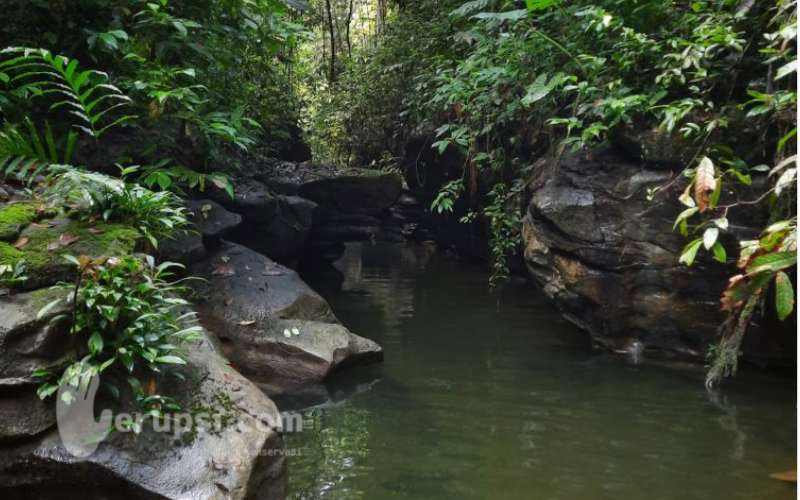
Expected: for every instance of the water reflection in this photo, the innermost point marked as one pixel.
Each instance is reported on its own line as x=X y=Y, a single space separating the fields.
x=495 y=396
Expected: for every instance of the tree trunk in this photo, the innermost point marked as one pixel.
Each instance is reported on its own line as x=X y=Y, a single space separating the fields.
x=347 y=30
x=331 y=31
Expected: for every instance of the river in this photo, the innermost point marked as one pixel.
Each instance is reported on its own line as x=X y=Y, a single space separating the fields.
x=494 y=396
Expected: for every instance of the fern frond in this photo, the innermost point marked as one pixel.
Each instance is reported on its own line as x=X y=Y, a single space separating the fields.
x=87 y=95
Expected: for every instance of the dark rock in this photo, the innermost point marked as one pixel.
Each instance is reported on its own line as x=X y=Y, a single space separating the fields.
x=355 y=191
x=283 y=238
x=252 y=199
x=240 y=460
x=250 y=302
x=186 y=248
x=212 y=220
x=245 y=285
x=609 y=257
x=28 y=343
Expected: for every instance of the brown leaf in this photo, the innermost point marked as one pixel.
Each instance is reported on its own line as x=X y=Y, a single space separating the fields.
x=21 y=243
x=247 y=322
x=53 y=245
x=223 y=269
x=704 y=183
x=151 y=387
x=66 y=239
x=94 y=230
x=43 y=225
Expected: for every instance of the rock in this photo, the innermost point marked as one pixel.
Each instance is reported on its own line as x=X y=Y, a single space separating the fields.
x=355 y=191
x=252 y=199
x=245 y=285
x=609 y=257
x=46 y=242
x=212 y=220
x=250 y=302
x=284 y=355
x=28 y=343
x=14 y=217
x=283 y=238
x=240 y=460
x=186 y=248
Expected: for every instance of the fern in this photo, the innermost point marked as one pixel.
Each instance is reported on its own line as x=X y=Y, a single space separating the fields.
x=24 y=152
x=86 y=95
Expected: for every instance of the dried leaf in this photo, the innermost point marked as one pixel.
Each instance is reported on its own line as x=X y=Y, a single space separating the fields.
x=204 y=209
x=223 y=269
x=247 y=322
x=53 y=245
x=21 y=242
x=66 y=239
x=94 y=230
x=704 y=183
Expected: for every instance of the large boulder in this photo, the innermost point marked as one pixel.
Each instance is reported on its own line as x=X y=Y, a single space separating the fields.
x=272 y=326
x=609 y=257
x=29 y=342
x=283 y=238
x=241 y=459
x=209 y=222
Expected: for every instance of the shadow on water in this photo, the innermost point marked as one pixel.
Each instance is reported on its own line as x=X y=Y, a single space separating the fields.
x=496 y=396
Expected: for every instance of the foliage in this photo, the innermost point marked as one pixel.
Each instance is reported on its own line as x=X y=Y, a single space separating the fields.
x=157 y=215
x=505 y=84
x=132 y=320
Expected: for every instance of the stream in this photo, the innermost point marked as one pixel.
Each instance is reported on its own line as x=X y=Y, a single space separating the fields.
x=493 y=395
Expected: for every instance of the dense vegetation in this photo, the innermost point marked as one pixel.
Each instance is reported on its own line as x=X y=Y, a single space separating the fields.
x=505 y=83
x=108 y=107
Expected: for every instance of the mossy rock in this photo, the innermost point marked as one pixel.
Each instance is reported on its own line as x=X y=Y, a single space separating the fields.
x=15 y=217
x=47 y=266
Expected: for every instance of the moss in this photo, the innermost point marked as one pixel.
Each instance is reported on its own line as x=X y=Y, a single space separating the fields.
x=48 y=266
x=14 y=217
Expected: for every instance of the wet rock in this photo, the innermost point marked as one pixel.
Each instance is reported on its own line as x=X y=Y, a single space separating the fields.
x=284 y=355
x=609 y=257
x=239 y=460
x=272 y=326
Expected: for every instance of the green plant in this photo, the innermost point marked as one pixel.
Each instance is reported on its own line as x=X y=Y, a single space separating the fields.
x=131 y=320
x=157 y=215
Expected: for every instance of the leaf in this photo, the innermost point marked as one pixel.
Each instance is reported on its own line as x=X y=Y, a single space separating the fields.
x=720 y=255
x=684 y=216
x=47 y=308
x=95 y=343
x=690 y=252
x=704 y=183
x=175 y=360
x=537 y=90
x=223 y=269
x=534 y=5
x=686 y=197
x=710 y=237
x=247 y=322
x=784 y=295
x=772 y=262
x=785 y=180
x=21 y=242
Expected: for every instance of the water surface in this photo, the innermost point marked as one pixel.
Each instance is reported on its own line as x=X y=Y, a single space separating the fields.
x=494 y=396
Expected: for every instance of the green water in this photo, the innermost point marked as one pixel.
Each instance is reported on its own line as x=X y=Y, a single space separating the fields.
x=494 y=396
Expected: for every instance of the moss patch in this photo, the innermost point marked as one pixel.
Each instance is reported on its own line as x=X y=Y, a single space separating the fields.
x=14 y=217
x=48 y=266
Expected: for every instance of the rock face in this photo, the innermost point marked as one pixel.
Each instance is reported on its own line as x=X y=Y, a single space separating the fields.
x=272 y=326
x=239 y=460
x=609 y=257
x=28 y=343
x=209 y=223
